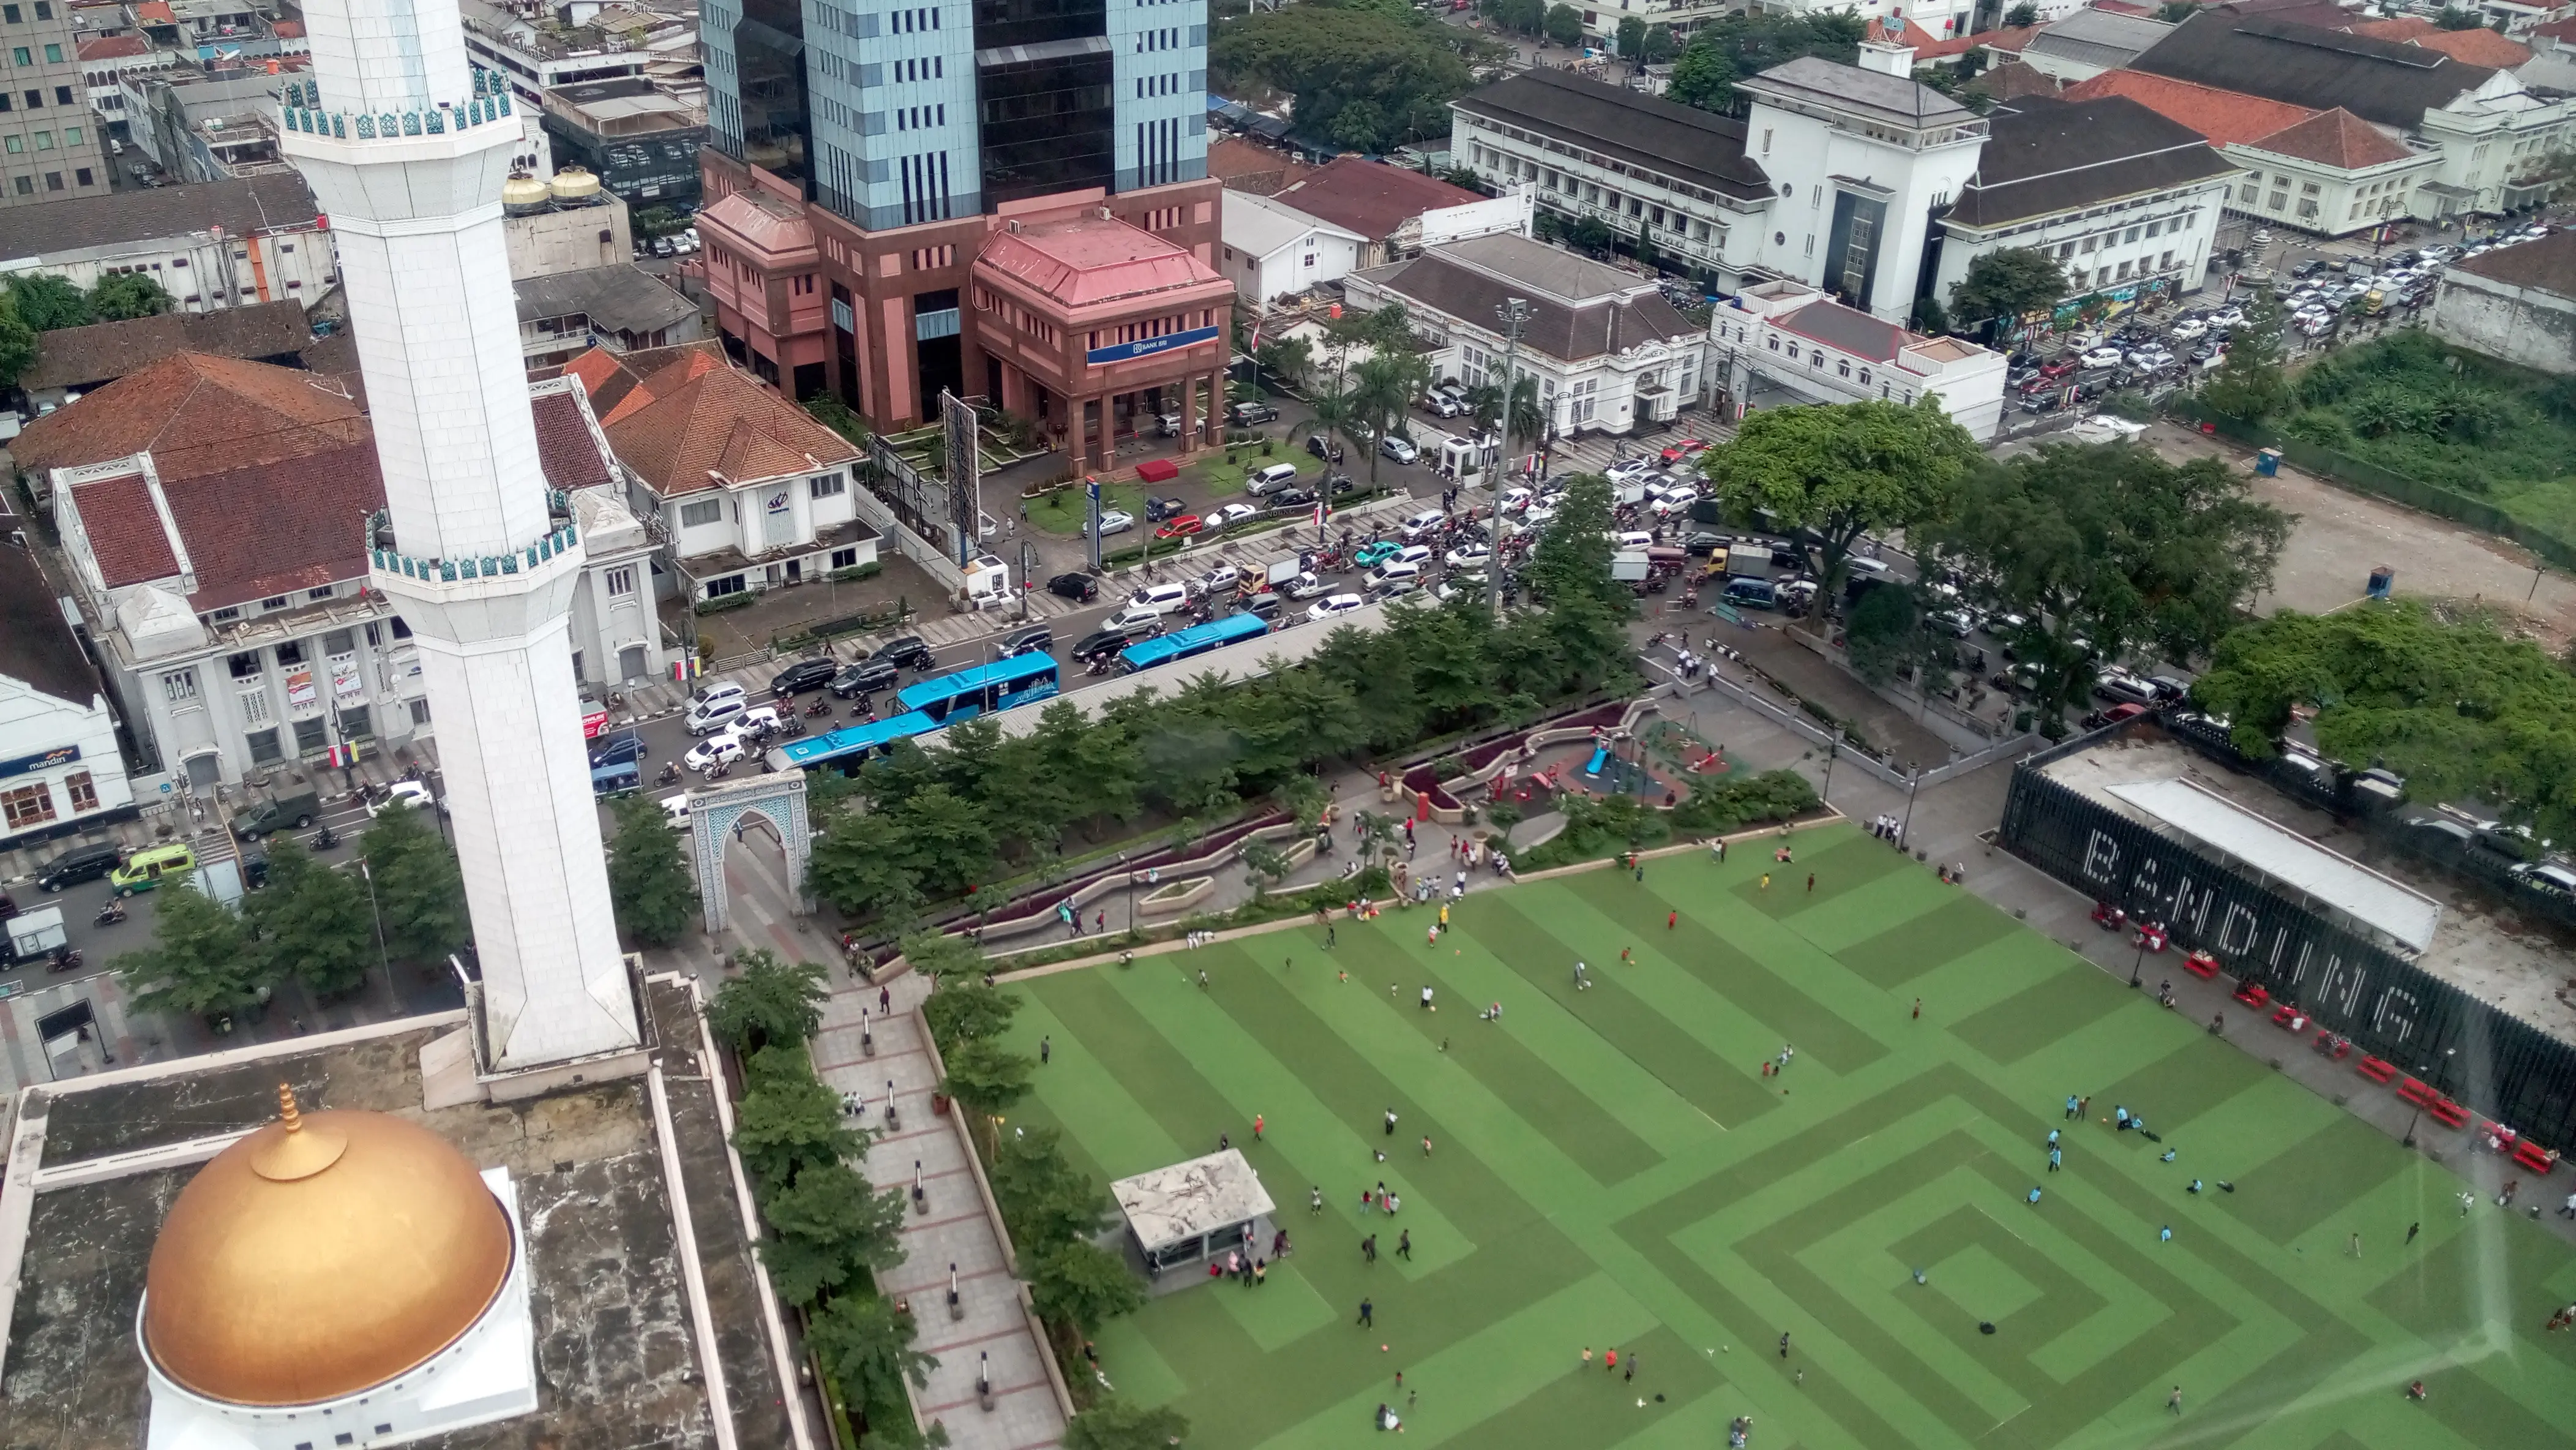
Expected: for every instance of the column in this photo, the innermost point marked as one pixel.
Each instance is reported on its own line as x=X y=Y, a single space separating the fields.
x=1189 y=416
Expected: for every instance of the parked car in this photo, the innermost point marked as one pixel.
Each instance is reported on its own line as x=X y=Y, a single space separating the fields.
x=1687 y=448
x=1245 y=415
x=1115 y=521
x=402 y=795
x=296 y=811
x=803 y=675
x=1266 y=481
x=1332 y=604
x=1081 y=588
x=1399 y=449
x=1239 y=512
x=1180 y=528
x=866 y=678
x=79 y=864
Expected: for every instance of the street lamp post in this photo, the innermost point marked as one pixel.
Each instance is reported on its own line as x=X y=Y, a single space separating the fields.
x=393 y=999
x=1131 y=892
x=1514 y=313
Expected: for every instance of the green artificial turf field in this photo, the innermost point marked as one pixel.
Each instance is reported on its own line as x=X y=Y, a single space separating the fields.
x=1611 y=1168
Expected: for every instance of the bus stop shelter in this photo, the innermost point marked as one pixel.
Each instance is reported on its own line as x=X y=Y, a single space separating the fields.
x=1192 y=1211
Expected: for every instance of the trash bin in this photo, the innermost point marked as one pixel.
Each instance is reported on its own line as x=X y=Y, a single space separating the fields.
x=2382 y=580
x=2267 y=463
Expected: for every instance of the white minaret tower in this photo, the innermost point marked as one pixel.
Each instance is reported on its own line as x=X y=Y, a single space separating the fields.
x=407 y=145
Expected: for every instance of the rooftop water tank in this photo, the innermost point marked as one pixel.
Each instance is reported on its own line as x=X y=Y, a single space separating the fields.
x=574 y=186
x=521 y=195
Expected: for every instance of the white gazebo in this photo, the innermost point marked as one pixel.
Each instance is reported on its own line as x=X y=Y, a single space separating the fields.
x=1192 y=1211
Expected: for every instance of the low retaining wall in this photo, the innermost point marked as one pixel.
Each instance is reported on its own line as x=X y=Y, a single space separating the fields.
x=1495 y=756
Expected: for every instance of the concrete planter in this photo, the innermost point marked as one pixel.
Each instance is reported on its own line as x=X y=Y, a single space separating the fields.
x=1176 y=896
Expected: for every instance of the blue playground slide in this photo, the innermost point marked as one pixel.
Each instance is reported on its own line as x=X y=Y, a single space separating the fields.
x=1600 y=753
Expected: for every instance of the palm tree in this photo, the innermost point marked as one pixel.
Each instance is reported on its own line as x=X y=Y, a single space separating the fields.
x=1383 y=386
x=1526 y=419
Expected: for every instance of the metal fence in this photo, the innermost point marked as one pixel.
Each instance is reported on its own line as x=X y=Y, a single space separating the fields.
x=2501 y=1067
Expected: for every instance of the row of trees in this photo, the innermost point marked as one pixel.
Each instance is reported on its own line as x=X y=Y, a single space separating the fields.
x=38 y=302
x=1366 y=74
x=2082 y=555
x=936 y=824
x=1744 y=44
x=311 y=923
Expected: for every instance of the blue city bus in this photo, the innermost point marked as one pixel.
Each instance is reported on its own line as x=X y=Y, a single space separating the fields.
x=851 y=748
x=1001 y=685
x=1198 y=639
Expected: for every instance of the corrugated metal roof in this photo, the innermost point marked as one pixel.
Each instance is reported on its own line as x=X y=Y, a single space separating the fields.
x=2403 y=913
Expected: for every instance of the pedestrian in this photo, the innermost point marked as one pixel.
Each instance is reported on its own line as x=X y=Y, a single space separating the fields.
x=1587 y=1356
x=1203 y=979
x=1046 y=1050
x=1610 y=1360
x=2070 y=1106
x=2354 y=1247
x=2568 y=1210
x=1260 y=1272
x=1784 y=1344
x=1315 y=1203
x=1641 y=870
x=2034 y=1195
x=1444 y=918
x=1100 y=919
x=2417 y=1227
x=1329 y=934
x=2467 y=1200
x=1368 y=1249
x=1426 y=997
x=1368 y=1200
x=2083 y=1105
x=1426 y=1138
x=1766 y=880
x=1390 y=1122
x=2173 y=1401
x=1368 y=1315
x=1404 y=1245
x=2053 y=1159
x=1630 y=1373
x=885 y=1000
x=1391 y=1202
x=1672 y=919
x=1918 y=1009
x=2052 y=1137
x=1811 y=883
x=1256 y=1127
x=2165 y=1234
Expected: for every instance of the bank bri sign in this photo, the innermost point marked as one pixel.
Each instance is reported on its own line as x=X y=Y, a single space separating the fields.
x=1147 y=346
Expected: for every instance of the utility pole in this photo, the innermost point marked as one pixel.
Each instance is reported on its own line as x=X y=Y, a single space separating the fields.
x=1514 y=313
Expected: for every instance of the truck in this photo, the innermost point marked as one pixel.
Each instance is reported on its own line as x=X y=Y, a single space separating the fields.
x=1748 y=558
x=37 y=934
x=277 y=814
x=1630 y=566
x=1270 y=577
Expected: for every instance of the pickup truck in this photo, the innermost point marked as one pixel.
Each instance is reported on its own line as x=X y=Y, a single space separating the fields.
x=285 y=811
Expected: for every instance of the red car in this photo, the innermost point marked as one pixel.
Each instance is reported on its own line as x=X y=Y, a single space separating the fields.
x=1181 y=528
x=2060 y=368
x=1684 y=449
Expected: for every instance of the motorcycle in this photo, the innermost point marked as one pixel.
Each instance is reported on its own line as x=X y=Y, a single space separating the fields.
x=819 y=707
x=795 y=726
x=110 y=914
x=325 y=838
x=64 y=959
x=670 y=773
x=719 y=770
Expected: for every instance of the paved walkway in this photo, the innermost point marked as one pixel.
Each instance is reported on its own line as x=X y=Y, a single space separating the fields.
x=991 y=1334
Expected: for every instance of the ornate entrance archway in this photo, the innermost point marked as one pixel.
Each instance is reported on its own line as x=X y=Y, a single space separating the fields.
x=720 y=810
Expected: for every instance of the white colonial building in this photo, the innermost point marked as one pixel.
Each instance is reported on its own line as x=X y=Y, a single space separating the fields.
x=1273 y=250
x=1608 y=351
x=1782 y=344
x=60 y=769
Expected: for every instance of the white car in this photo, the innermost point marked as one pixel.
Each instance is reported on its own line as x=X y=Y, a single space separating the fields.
x=1134 y=617
x=675 y=809
x=1468 y=556
x=1115 y=521
x=1332 y=604
x=1535 y=517
x=1674 y=502
x=1159 y=597
x=402 y=795
x=2228 y=316
x=1514 y=500
x=2103 y=357
x=1426 y=522
x=1230 y=515
x=1399 y=449
x=1627 y=470
x=2148 y=359
x=1223 y=576
x=725 y=747
x=2189 y=328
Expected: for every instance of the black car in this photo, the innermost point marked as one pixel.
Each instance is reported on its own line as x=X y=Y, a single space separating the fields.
x=865 y=678
x=1159 y=509
x=1292 y=498
x=803 y=675
x=1081 y=588
x=1099 y=644
x=79 y=864
x=910 y=652
x=1030 y=638
x=1703 y=542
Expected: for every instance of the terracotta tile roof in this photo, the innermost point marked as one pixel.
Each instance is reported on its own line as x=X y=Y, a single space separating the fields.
x=1371 y=197
x=1249 y=166
x=196 y=415
x=2123 y=7
x=2404 y=27
x=617 y=383
x=2228 y=118
x=114 y=47
x=2557 y=30
x=2010 y=80
x=2337 y=138
x=125 y=534
x=2010 y=40
x=721 y=421
x=2477 y=47
x=1085 y=261
x=277 y=528
x=287 y=29
x=566 y=448
x=154 y=12
x=73 y=356
x=2548 y=264
x=1903 y=32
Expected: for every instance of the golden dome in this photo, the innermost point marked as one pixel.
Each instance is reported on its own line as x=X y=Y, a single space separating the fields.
x=320 y=1256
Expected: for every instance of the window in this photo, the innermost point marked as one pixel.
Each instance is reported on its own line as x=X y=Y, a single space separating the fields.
x=228 y=612
x=339 y=642
x=1864 y=377
x=179 y=686
x=2091 y=242
x=2130 y=235
x=16 y=145
x=10 y=14
x=309 y=736
x=21 y=55
x=2155 y=229
x=54 y=182
x=53 y=55
x=401 y=630
x=325 y=592
x=290 y=654
x=28 y=805
x=35 y=100
x=719 y=588
x=703 y=511
x=2065 y=250
x=826 y=485
x=245 y=666
x=1843 y=366
x=420 y=712
x=44 y=140
x=275 y=601
x=356 y=723
x=263 y=747
x=26 y=185
x=84 y=795
x=2165 y=262
x=83 y=177
x=845 y=558
x=254 y=706
x=621 y=581
x=2248 y=191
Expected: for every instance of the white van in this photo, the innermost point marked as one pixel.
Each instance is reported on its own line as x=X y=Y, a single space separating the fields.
x=1414 y=554
x=719 y=690
x=1161 y=597
x=1270 y=480
x=1394 y=572
x=709 y=716
x=1426 y=522
x=1133 y=618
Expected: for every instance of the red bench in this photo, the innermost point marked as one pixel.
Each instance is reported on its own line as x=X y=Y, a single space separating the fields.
x=2326 y=1041
x=2448 y=1113
x=2417 y=1091
x=2202 y=963
x=2254 y=994
x=2290 y=1019
x=2378 y=1069
x=2532 y=1156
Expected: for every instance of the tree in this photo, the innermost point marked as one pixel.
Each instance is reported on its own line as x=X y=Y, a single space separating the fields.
x=656 y=221
x=1658 y=44
x=2022 y=16
x=419 y=894
x=1081 y=1284
x=2002 y=286
x=125 y=296
x=1704 y=76
x=1290 y=358
x=944 y=958
x=648 y=880
x=197 y=965
x=2107 y=550
x=312 y=921
x=985 y=1077
x=768 y=1003
x=1392 y=71
x=789 y=1121
x=1829 y=474
x=17 y=340
x=866 y=1347
x=2458 y=709
x=1886 y=633
x=1631 y=38
x=863 y=866
x=47 y=302
x=1527 y=419
x=1930 y=316
x=1118 y=1424
x=824 y=1228
x=1569 y=571
x=2454 y=18
x=967 y=1011
x=1044 y=1199
x=1384 y=387
x=1521 y=17
x=2249 y=384
x=1564 y=26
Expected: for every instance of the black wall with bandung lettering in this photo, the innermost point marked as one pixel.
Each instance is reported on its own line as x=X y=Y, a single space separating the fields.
x=2499 y=1066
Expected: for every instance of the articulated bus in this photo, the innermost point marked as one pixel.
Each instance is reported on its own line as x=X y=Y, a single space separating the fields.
x=1198 y=639
x=928 y=705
